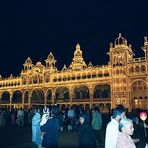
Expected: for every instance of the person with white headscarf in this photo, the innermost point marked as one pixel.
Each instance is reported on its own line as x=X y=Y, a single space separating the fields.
x=45 y=116
x=36 y=132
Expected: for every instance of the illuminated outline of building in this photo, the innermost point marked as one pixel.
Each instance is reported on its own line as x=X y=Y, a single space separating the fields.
x=123 y=81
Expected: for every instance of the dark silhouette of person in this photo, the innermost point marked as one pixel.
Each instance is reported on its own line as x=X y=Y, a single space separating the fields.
x=50 y=129
x=86 y=135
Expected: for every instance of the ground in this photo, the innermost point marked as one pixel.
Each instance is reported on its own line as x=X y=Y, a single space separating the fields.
x=20 y=137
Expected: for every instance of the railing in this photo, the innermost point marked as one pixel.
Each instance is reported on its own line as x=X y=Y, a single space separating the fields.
x=142 y=59
x=17 y=101
x=4 y=102
x=81 y=100
x=38 y=101
x=101 y=99
x=137 y=73
x=62 y=100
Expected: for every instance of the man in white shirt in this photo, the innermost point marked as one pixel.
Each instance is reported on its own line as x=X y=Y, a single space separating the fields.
x=112 y=127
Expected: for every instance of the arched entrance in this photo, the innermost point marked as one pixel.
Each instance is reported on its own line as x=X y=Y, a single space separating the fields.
x=37 y=96
x=139 y=94
x=81 y=93
x=62 y=94
x=17 y=97
x=102 y=91
x=5 y=97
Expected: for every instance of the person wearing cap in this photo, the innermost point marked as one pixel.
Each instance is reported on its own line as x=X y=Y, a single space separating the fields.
x=112 y=127
x=86 y=135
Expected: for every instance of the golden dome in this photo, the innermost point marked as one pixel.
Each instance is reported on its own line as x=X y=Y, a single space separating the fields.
x=28 y=61
x=50 y=56
x=120 y=40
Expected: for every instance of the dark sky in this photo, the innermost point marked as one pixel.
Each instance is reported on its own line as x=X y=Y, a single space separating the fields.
x=36 y=28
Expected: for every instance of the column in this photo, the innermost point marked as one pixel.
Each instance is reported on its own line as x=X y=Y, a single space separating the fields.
x=147 y=87
x=91 y=93
x=45 y=99
x=53 y=98
x=29 y=100
x=71 y=95
x=147 y=97
x=11 y=96
x=0 y=97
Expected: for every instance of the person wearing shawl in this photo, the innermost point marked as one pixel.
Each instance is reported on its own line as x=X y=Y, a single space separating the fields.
x=86 y=135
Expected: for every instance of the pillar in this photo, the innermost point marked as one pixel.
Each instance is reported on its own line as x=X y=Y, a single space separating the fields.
x=11 y=96
x=91 y=93
x=71 y=96
x=29 y=100
x=53 y=98
x=45 y=99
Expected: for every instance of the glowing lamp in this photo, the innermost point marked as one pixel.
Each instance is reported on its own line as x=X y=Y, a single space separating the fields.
x=143 y=116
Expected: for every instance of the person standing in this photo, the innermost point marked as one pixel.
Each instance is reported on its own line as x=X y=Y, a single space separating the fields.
x=86 y=135
x=50 y=130
x=20 y=116
x=45 y=116
x=13 y=118
x=36 y=132
x=112 y=130
x=97 y=125
x=71 y=118
x=126 y=130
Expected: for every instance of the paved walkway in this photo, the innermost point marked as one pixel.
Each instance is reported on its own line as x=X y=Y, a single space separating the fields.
x=20 y=137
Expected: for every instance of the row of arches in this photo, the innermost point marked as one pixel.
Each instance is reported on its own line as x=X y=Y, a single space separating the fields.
x=81 y=93
x=81 y=76
x=139 y=94
x=62 y=93
x=39 y=78
x=138 y=68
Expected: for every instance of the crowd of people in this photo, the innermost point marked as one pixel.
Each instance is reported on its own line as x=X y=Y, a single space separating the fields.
x=87 y=123
x=15 y=117
x=48 y=121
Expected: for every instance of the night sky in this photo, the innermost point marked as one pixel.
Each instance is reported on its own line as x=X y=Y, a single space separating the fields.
x=36 y=28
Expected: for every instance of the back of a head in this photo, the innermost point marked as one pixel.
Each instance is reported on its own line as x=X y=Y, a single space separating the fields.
x=121 y=106
x=96 y=108
x=117 y=111
x=54 y=111
x=37 y=110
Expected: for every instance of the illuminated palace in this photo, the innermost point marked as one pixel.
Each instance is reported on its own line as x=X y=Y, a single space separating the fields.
x=124 y=80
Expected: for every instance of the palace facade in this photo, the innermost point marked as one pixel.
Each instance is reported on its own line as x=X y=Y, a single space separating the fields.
x=124 y=80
